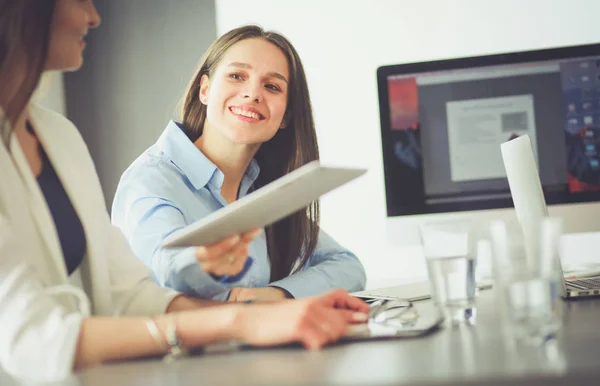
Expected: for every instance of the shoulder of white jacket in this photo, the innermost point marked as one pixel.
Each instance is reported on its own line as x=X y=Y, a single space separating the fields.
x=56 y=121
x=47 y=115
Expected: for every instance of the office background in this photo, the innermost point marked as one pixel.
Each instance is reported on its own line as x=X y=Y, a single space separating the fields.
x=139 y=61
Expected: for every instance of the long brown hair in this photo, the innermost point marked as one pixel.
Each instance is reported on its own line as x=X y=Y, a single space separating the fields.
x=24 y=40
x=292 y=240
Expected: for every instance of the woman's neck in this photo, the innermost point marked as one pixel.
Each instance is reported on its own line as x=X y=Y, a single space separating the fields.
x=232 y=159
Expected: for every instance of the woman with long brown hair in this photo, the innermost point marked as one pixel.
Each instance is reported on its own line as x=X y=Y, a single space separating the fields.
x=247 y=120
x=72 y=294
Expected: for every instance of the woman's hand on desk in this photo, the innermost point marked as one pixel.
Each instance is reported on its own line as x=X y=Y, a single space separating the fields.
x=227 y=257
x=314 y=321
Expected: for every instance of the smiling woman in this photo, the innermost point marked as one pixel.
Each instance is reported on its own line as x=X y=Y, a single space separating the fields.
x=245 y=101
x=247 y=120
x=72 y=294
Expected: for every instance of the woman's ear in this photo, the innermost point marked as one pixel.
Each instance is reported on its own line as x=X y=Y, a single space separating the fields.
x=204 y=88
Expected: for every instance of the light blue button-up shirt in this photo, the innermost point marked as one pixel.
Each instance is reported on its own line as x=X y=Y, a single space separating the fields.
x=171 y=185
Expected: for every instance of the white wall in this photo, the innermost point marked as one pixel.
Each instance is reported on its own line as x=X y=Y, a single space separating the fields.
x=137 y=66
x=342 y=42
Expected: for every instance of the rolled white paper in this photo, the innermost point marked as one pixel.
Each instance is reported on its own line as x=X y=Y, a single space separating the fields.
x=525 y=188
x=524 y=180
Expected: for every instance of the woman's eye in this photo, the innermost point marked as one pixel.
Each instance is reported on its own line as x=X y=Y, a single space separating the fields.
x=236 y=76
x=272 y=87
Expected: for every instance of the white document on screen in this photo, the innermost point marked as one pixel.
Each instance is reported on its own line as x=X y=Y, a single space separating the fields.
x=477 y=127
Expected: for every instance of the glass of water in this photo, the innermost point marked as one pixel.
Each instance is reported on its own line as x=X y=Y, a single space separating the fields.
x=449 y=249
x=526 y=269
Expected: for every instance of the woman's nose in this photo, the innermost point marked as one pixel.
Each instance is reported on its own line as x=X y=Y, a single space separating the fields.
x=253 y=92
x=94 y=17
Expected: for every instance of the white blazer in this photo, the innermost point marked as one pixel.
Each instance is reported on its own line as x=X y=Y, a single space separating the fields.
x=39 y=327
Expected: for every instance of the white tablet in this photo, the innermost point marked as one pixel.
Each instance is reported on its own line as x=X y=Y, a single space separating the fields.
x=264 y=206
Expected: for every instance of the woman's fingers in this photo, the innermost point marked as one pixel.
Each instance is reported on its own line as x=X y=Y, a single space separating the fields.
x=227 y=247
x=350 y=302
x=227 y=257
x=234 y=293
x=341 y=299
x=307 y=321
x=217 y=250
x=230 y=264
x=312 y=334
x=313 y=339
x=353 y=317
x=333 y=324
x=327 y=321
x=321 y=326
x=251 y=235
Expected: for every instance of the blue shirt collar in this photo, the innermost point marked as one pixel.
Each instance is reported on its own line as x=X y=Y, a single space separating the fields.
x=175 y=145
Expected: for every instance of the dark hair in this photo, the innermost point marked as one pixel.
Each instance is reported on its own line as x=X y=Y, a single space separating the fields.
x=24 y=39
x=292 y=240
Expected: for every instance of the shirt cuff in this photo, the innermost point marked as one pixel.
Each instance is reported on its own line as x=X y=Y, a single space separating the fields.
x=225 y=279
x=286 y=293
x=182 y=272
x=222 y=296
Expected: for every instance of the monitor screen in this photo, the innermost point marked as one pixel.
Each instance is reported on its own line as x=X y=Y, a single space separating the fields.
x=442 y=124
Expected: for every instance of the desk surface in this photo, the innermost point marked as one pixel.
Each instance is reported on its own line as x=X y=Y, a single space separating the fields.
x=454 y=355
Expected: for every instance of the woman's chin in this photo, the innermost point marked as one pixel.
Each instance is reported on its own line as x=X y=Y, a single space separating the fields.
x=66 y=65
x=244 y=141
x=244 y=136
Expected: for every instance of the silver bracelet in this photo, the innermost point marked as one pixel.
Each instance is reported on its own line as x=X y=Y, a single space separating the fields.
x=171 y=343
x=176 y=349
x=153 y=330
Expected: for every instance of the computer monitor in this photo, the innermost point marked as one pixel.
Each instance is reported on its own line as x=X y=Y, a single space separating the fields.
x=442 y=123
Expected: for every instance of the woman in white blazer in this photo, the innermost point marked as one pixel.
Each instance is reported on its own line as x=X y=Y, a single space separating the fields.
x=56 y=315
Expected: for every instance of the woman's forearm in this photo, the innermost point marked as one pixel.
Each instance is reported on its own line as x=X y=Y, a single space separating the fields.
x=104 y=339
